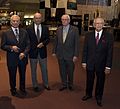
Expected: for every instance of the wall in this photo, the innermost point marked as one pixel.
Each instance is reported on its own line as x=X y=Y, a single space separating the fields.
x=107 y=12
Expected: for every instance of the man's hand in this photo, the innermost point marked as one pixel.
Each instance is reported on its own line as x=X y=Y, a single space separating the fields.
x=75 y=59
x=54 y=54
x=107 y=71
x=84 y=65
x=21 y=56
x=40 y=45
x=15 y=49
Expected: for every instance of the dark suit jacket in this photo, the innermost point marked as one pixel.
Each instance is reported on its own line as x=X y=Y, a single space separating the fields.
x=98 y=56
x=9 y=39
x=34 y=42
x=70 y=47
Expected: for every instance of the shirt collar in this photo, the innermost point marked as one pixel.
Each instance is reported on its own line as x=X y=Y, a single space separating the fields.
x=100 y=33
x=37 y=25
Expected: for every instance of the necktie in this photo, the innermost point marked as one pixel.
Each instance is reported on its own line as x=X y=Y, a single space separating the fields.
x=17 y=34
x=64 y=34
x=38 y=32
x=97 y=38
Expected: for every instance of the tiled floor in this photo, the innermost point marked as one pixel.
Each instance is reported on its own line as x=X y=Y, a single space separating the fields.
x=60 y=100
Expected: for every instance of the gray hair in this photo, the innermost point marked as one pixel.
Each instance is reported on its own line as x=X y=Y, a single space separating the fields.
x=100 y=19
x=66 y=15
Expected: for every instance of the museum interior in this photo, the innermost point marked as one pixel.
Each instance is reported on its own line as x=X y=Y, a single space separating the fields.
x=82 y=14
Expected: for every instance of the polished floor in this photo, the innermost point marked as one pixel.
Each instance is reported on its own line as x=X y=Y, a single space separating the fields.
x=54 y=99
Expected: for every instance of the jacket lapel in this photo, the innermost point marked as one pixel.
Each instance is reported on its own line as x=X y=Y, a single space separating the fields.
x=33 y=30
x=68 y=34
x=12 y=35
x=100 y=40
x=61 y=34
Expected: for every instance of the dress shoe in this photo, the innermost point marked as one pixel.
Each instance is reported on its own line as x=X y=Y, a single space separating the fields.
x=36 y=89
x=23 y=92
x=62 y=88
x=99 y=103
x=86 y=97
x=70 y=88
x=47 y=87
x=14 y=93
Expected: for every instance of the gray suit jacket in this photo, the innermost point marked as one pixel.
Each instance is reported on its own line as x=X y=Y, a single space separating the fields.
x=70 y=47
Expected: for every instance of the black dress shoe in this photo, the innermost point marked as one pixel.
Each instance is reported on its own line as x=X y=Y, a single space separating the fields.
x=86 y=97
x=14 y=93
x=62 y=88
x=47 y=87
x=99 y=103
x=36 y=89
x=23 y=92
x=70 y=88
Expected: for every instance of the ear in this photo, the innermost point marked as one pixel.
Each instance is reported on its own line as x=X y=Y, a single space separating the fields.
x=94 y=25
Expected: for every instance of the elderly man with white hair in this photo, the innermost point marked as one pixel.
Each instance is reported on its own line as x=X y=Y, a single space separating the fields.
x=66 y=49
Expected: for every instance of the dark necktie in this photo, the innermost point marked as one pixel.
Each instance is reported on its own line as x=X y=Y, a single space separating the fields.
x=97 y=38
x=38 y=32
x=17 y=34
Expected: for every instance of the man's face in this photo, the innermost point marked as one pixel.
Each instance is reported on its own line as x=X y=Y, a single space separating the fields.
x=65 y=20
x=15 y=21
x=98 y=24
x=37 y=18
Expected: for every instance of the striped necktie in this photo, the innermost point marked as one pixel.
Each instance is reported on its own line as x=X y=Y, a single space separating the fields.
x=38 y=33
x=17 y=34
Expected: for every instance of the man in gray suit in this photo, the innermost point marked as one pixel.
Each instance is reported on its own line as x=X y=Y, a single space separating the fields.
x=66 y=48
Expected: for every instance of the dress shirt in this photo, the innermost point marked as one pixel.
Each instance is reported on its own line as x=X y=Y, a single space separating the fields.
x=40 y=29
x=16 y=33
x=100 y=33
x=65 y=32
x=14 y=30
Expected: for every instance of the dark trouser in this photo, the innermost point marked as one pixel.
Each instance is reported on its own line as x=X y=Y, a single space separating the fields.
x=100 y=80
x=66 y=68
x=12 y=76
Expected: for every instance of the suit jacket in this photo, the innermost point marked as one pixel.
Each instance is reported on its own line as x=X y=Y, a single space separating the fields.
x=98 y=56
x=70 y=47
x=9 y=39
x=34 y=51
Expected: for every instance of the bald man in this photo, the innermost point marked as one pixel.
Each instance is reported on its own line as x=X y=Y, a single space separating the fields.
x=39 y=39
x=97 y=59
x=15 y=41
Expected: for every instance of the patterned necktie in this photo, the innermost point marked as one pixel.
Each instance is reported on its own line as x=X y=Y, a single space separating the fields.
x=17 y=34
x=97 y=38
x=38 y=33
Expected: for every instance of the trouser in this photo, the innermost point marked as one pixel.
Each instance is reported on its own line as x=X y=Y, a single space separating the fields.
x=66 y=68
x=100 y=80
x=43 y=66
x=12 y=76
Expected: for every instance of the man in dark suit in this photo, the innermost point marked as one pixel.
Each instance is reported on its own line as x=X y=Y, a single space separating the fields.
x=97 y=59
x=16 y=42
x=39 y=39
x=66 y=49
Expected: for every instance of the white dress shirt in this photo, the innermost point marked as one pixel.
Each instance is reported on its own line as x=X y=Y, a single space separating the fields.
x=40 y=29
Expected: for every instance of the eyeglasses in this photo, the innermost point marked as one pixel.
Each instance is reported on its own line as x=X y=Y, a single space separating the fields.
x=64 y=19
x=99 y=23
